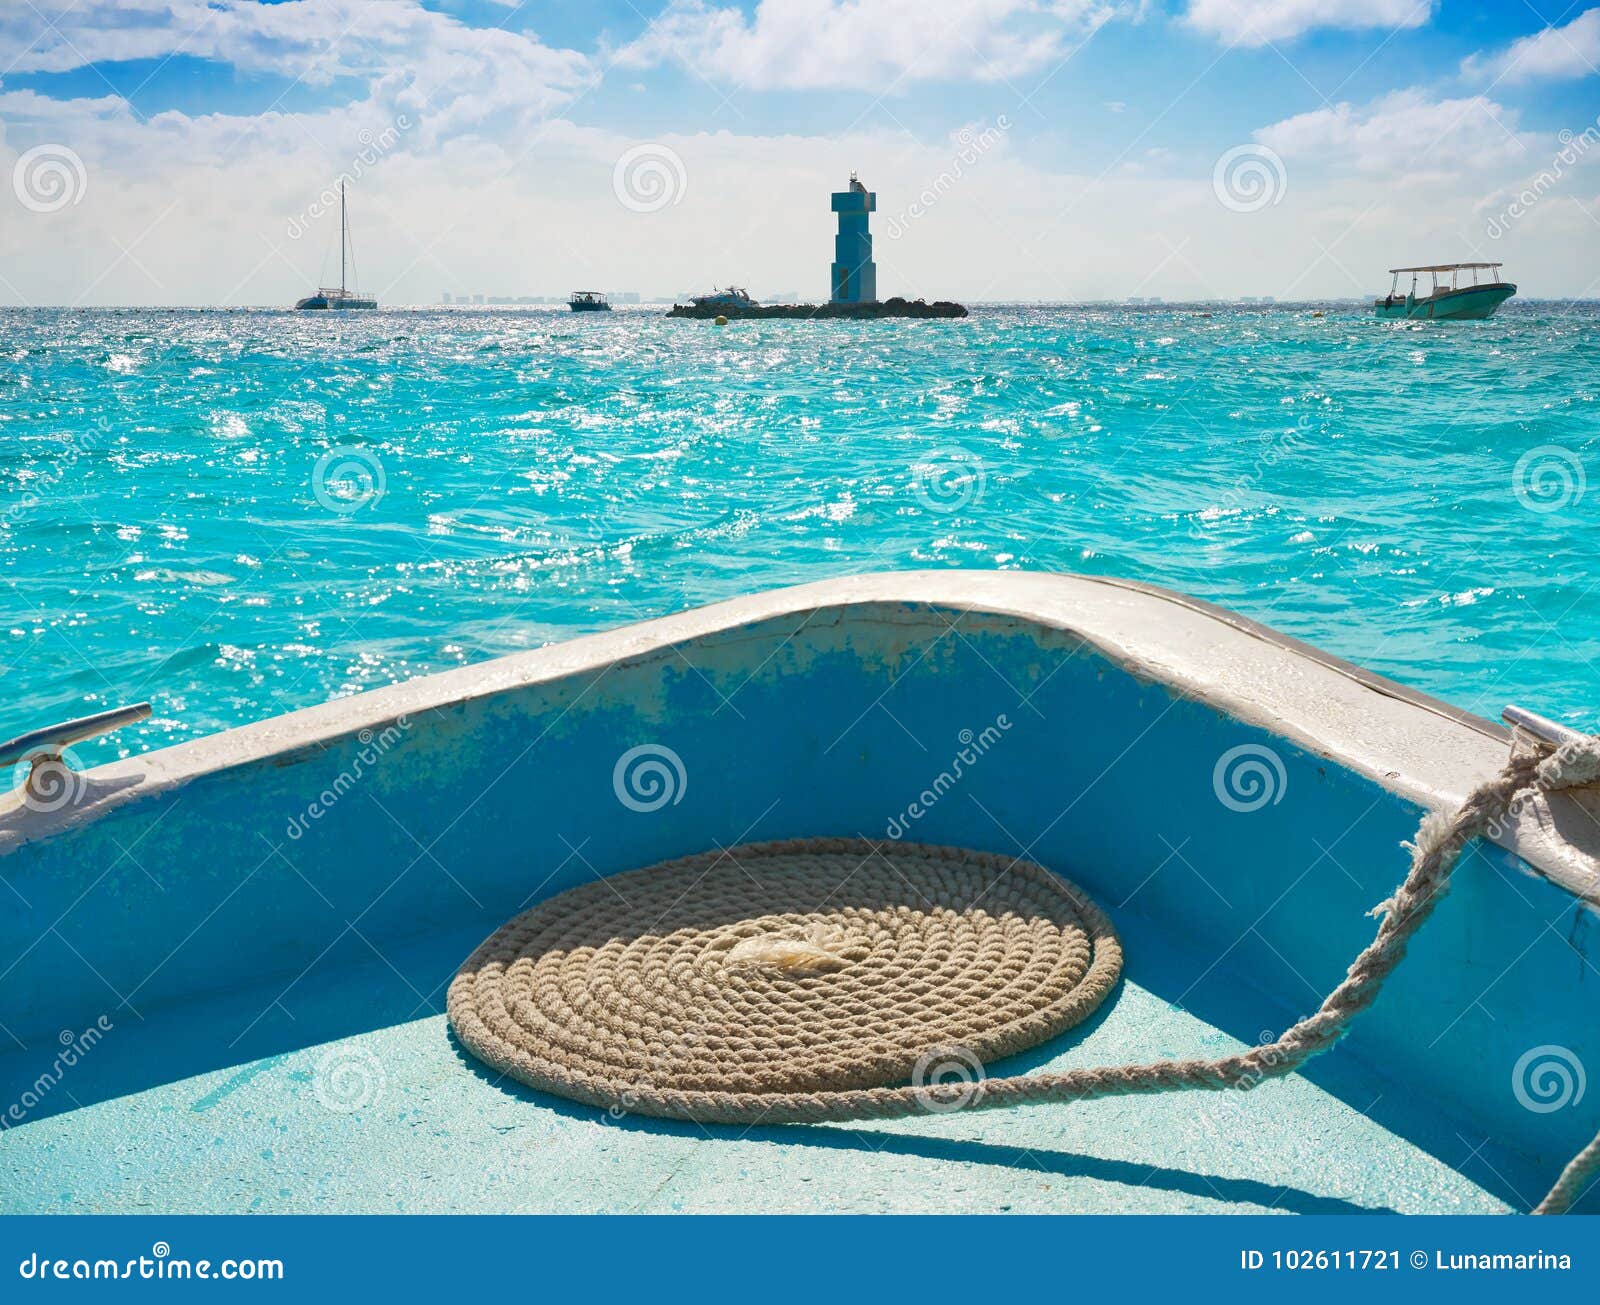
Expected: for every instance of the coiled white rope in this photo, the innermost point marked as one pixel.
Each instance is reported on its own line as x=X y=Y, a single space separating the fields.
x=796 y=1014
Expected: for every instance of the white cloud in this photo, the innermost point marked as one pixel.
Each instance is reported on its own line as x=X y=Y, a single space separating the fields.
x=538 y=216
x=1256 y=22
x=1570 y=51
x=1419 y=180
x=405 y=52
x=1403 y=136
x=870 y=45
x=207 y=198
x=494 y=192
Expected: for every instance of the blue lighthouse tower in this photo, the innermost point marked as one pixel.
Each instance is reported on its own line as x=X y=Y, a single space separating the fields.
x=855 y=275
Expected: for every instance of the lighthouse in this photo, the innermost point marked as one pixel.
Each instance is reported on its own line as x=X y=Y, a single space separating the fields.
x=855 y=275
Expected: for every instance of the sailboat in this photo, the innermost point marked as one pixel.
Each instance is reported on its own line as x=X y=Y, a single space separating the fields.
x=342 y=297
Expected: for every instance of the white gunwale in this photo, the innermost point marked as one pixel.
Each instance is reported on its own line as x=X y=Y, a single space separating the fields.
x=1403 y=740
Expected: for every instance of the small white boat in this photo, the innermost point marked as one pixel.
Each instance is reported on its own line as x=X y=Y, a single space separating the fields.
x=729 y=297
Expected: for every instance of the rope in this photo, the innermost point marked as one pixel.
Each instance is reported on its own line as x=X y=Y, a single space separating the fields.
x=620 y=993
x=717 y=988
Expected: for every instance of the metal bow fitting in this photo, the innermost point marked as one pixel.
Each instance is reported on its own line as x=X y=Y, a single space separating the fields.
x=1540 y=727
x=44 y=747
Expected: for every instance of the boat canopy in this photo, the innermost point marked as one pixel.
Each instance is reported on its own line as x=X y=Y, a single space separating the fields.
x=1449 y=296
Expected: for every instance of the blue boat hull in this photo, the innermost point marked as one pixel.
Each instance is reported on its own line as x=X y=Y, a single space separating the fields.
x=1473 y=303
x=266 y=919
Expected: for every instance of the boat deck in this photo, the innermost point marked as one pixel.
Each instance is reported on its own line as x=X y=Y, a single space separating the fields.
x=343 y=1091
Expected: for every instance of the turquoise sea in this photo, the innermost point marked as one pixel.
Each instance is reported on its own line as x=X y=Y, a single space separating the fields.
x=234 y=513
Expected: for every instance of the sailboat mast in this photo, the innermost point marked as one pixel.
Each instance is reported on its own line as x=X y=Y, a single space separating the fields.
x=341 y=237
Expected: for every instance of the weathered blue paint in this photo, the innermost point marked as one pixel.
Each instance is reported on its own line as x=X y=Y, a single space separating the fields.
x=854 y=276
x=423 y=1127
x=221 y=923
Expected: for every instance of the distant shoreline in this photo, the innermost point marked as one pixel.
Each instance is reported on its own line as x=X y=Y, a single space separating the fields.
x=663 y=309
x=895 y=307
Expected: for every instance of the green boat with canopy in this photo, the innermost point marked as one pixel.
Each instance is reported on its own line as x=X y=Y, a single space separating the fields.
x=1451 y=301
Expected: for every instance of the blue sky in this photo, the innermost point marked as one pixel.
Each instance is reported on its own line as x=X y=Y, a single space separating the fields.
x=174 y=151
